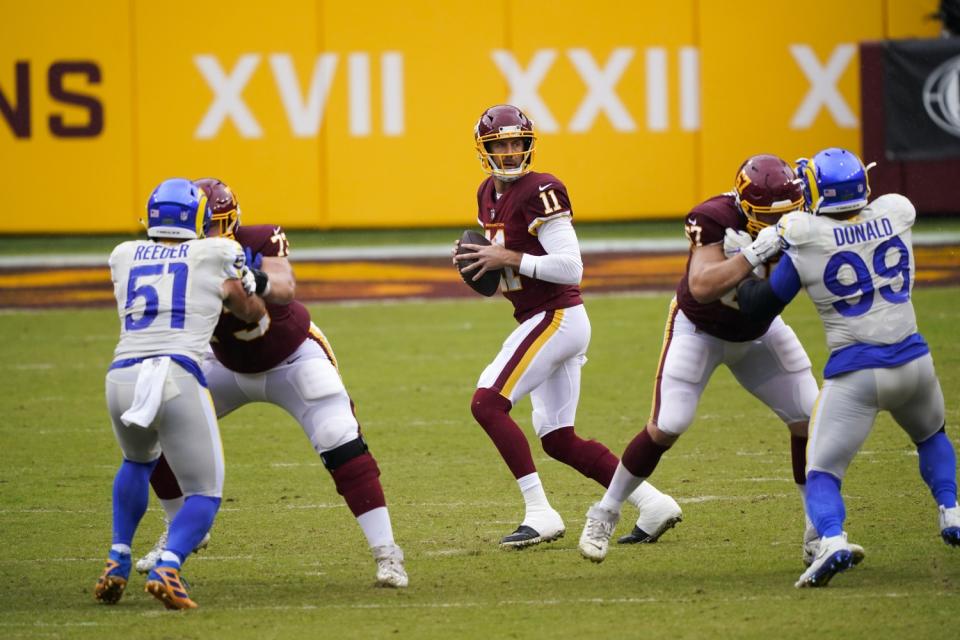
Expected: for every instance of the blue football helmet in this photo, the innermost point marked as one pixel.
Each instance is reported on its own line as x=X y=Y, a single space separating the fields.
x=179 y=210
x=834 y=181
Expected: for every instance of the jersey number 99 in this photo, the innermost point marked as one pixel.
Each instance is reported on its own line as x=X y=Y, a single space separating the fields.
x=864 y=279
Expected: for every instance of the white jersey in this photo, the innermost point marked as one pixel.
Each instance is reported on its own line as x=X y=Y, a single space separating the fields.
x=170 y=296
x=859 y=272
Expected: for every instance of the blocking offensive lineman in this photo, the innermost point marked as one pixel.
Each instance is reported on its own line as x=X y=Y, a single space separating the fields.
x=286 y=360
x=170 y=290
x=706 y=329
x=527 y=217
x=856 y=263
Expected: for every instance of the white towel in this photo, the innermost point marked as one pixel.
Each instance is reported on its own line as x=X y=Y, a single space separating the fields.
x=148 y=394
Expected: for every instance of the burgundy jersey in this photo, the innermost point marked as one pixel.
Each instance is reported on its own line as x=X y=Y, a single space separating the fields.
x=253 y=348
x=707 y=224
x=513 y=221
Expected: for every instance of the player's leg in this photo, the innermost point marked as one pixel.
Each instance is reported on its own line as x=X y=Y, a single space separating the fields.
x=227 y=396
x=527 y=358
x=130 y=485
x=777 y=371
x=554 y=414
x=311 y=390
x=190 y=439
x=914 y=398
x=687 y=360
x=842 y=419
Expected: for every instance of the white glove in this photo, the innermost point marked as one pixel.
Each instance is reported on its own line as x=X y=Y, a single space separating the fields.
x=734 y=241
x=763 y=248
x=248 y=280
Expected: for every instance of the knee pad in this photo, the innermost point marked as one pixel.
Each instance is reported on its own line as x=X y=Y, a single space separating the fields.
x=336 y=458
x=330 y=432
x=486 y=403
x=788 y=351
x=677 y=410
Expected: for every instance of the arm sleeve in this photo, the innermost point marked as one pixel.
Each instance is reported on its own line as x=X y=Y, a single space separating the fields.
x=767 y=298
x=562 y=264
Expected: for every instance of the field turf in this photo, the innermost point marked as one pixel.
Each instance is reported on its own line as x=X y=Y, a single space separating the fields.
x=288 y=561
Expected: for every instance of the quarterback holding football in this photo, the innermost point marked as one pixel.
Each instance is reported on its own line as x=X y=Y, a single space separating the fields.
x=527 y=218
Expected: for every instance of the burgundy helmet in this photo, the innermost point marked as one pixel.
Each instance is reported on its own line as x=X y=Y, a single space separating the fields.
x=223 y=202
x=766 y=187
x=498 y=123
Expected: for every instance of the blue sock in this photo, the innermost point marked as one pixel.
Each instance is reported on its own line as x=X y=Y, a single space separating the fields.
x=192 y=522
x=938 y=467
x=130 y=495
x=825 y=504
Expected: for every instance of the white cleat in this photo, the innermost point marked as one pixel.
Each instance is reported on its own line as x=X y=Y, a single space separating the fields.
x=950 y=525
x=152 y=557
x=595 y=539
x=811 y=546
x=537 y=527
x=654 y=520
x=833 y=556
x=390 y=571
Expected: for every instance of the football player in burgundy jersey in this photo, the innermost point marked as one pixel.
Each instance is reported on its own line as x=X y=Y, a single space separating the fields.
x=287 y=361
x=527 y=217
x=705 y=329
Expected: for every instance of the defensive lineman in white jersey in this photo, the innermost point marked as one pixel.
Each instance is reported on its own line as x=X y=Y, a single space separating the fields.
x=170 y=291
x=856 y=263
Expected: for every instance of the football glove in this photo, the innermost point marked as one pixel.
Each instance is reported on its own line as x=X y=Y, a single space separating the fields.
x=254 y=260
x=734 y=241
x=262 y=281
x=763 y=248
x=248 y=280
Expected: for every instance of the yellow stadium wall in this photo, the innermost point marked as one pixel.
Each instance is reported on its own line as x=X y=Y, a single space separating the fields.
x=360 y=114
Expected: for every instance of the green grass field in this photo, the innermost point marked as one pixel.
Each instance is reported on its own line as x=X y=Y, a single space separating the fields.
x=288 y=561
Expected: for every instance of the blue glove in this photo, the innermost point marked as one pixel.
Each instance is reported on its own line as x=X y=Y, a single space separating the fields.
x=254 y=260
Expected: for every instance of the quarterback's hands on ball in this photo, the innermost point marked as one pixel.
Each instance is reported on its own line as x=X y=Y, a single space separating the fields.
x=488 y=258
x=763 y=248
x=453 y=252
x=248 y=280
x=734 y=241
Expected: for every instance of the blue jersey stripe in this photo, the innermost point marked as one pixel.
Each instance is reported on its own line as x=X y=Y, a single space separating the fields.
x=875 y=356
x=187 y=363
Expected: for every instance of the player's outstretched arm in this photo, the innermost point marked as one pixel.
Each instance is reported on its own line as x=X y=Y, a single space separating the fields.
x=246 y=307
x=711 y=275
x=283 y=284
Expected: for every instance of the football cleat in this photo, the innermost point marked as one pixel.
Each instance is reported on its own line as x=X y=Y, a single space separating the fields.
x=810 y=551
x=654 y=521
x=527 y=535
x=390 y=571
x=595 y=539
x=165 y=584
x=112 y=582
x=950 y=525
x=152 y=557
x=833 y=556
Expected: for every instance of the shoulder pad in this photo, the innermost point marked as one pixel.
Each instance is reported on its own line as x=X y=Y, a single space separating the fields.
x=794 y=228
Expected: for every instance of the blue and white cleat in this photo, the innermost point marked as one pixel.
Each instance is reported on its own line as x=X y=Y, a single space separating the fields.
x=833 y=556
x=950 y=525
x=113 y=581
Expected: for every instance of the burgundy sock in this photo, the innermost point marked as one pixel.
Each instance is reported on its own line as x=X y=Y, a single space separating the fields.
x=642 y=455
x=163 y=481
x=798 y=456
x=358 y=481
x=589 y=457
x=492 y=411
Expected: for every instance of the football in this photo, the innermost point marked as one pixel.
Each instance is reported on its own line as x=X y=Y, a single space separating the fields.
x=490 y=281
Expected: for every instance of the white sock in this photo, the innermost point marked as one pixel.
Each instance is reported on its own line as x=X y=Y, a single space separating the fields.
x=376 y=527
x=123 y=549
x=533 y=494
x=644 y=495
x=170 y=556
x=621 y=486
x=171 y=507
